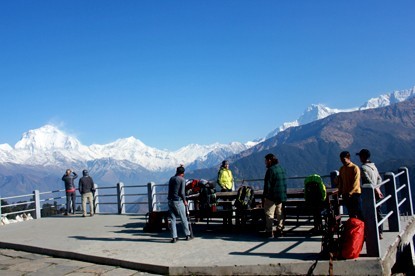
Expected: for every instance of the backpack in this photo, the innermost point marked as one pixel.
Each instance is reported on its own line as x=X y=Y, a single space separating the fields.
x=156 y=221
x=193 y=186
x=314 y=189
x=207 y=197
x=244 y=198
x=353 y=238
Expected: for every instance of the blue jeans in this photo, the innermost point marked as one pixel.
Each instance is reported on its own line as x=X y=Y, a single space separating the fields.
x=70 y=196
x=177 y=209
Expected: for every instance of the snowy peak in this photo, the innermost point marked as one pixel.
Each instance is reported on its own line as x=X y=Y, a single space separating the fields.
x=49 y=145
x=320 y=111
x=47 y=137
x=388 y=99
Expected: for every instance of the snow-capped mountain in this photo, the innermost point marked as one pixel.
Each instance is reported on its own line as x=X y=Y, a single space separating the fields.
x=50 y=146
x=320 y=111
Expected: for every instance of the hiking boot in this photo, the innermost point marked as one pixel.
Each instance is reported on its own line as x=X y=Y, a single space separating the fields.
x=91 y=215
x=173 y=240
x=188 y=238
x=269 y=235
x=380 y=236
x=83 y=215
x=279 y=233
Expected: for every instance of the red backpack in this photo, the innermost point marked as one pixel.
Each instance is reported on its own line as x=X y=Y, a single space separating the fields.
x=353 y=238
x=192 y=186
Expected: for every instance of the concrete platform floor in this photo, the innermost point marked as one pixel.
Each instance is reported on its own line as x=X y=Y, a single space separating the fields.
x=119 y=241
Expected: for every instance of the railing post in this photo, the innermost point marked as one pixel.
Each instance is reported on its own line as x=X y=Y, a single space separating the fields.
x=96 y=199
x=390 y=189
x=371 y=222
x=151 y=195
x=406 y=192
x=36 y=196
x=121 y=198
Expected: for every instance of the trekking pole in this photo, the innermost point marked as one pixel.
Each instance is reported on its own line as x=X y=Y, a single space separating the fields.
x=188 y=220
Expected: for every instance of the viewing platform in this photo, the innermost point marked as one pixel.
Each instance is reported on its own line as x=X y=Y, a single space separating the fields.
x=118 y=239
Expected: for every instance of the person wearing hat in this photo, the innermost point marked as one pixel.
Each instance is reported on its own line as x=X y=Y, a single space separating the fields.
x=349 y=186
x=87 y=188
x=370 y=175
x=225 y=178
x=177 y=202
x=274 y=195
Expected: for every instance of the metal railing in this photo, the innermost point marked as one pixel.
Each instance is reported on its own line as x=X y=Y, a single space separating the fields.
x=397 y=202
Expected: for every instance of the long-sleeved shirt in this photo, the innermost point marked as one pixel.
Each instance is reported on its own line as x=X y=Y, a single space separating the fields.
x=69 y=181
x=275 y=188
x=176 y=188
x=349 y=180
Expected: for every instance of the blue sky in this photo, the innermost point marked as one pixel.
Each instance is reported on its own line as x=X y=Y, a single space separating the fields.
x=171 y=73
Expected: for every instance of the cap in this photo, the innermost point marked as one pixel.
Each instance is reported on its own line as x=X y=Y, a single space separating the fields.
x=364 y=153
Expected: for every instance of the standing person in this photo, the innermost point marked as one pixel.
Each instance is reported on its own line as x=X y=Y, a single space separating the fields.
x=349 y=186
x=370 y=175
x=69 y=178
x=177 y=202
x=275 y=193
x=225 y=178
x=87 y=188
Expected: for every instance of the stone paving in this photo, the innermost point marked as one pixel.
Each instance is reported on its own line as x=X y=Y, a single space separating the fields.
x=19 y=263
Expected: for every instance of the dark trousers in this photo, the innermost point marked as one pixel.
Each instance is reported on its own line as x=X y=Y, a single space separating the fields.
x=379 y=217
x=70 y=197
x=353 y=204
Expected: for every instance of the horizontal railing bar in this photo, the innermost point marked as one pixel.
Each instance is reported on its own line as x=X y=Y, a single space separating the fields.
x=11 y=197
x=18 y=212
x=400 y=188
x=385 y=218
x=382 y=183
x=402 y=202
x=382 y=201
x=51 y=192
x=399 y=173
x=135 y=186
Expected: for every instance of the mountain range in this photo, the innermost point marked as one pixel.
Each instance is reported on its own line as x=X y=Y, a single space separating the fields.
x=39 y=159
x=388 y=132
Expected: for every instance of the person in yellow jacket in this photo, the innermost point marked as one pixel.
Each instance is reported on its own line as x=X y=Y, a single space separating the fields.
x=225 y=178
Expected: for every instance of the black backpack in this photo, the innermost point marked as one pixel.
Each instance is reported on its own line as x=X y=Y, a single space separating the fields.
x=207 y=197
x=244 y=198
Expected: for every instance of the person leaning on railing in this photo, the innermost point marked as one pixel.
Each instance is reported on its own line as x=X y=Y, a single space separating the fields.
x=370 y=175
